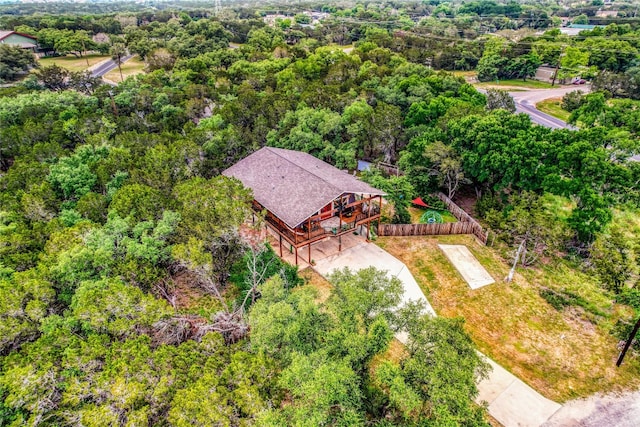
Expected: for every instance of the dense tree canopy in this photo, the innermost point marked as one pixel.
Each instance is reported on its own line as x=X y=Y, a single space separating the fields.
x=129 y=292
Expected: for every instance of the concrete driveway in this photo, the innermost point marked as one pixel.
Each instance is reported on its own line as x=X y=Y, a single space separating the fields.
x=510 y=401
x=366 y=255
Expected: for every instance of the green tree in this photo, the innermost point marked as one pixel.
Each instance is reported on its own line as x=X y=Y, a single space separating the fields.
x=14 y=62
x=526 y=221
x=497 y=99
x=118 y=52
x=612 y=259
x=580 y=20
x=437 y=380
x=489 y=67
x=138 y=202
x=26 y=299
x=302 y=18
x=446 y=167
x=525 y=66
x=72 y=176
x=53 y=77
x=98 y=306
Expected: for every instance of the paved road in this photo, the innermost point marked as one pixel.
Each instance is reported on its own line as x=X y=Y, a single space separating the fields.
x=610 y=410
x=539 y=117
x=104 y=67
x=526 y=103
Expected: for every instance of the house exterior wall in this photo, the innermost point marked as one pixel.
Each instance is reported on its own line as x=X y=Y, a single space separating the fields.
x=17 y=39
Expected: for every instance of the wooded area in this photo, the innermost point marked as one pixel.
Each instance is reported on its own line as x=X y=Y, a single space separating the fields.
x=130 y=293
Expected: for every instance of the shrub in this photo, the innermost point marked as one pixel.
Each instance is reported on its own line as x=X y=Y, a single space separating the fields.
x=572 y=100
x=434 y=203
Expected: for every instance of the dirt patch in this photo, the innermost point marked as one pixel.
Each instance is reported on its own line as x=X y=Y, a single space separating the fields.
x=319 y=283
x=466 y=199
x=396 y=352
x=190 y=297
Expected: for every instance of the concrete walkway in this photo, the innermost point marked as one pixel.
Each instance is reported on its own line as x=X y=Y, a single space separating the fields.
x=467 y=265
x=510 y=401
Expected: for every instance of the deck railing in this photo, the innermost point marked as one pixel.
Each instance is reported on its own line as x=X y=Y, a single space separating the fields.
x=358 y=213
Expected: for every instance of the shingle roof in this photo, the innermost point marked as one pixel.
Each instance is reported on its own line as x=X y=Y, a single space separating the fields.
x=294 y=185
x=6 y=33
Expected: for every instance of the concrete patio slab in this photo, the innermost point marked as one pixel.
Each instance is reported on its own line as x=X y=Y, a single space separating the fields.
x=615 y=409
x=319 y=250
x=467 y=265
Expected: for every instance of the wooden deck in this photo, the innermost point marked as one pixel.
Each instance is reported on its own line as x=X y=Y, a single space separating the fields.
x=333 y=223
x=317 y=230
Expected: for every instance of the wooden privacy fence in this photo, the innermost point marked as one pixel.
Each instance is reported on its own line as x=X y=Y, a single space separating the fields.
x=466 y=225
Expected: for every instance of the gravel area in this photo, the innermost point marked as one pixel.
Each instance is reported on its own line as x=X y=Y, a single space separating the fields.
x=610 y=410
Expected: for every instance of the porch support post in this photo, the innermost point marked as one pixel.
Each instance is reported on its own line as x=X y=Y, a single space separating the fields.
x=296 y=244
x=380 y=207
x=309 y=253
x=280 y=235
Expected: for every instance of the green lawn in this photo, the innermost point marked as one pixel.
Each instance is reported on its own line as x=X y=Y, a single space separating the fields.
x=529 y=84
x=563 y=354
x=416 y=213
x=553 y=107
x=130 y=68
x=72 y=63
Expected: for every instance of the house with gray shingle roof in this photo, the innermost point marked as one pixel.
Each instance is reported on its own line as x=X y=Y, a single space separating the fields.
x=13 y=38
x=306 y=200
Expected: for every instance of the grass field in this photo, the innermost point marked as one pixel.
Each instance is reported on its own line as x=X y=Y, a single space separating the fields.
x=130 y=68
x=529 y=84
x=562 y=354
x=471 y=73
x=72 y=63
x=553 y=107
x=416 y=213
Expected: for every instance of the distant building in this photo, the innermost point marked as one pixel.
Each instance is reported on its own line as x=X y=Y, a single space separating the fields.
x=101 y=38
x=607 y=13
x=270 y=19
x=24 y=41
x=574 y=29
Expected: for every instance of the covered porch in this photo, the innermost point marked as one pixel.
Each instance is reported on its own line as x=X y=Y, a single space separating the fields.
x=336 y=220
x=317 y=251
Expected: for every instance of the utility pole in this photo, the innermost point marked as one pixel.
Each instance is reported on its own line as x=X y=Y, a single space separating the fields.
x=509 y=277
x=628 y=343
x=84 y=49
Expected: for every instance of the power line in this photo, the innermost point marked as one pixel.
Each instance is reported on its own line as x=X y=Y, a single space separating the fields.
x=530 y=45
